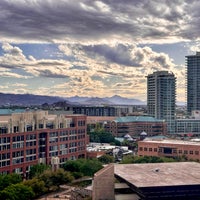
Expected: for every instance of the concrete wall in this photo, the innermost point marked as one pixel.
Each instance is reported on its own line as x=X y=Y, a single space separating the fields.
x=103 y=184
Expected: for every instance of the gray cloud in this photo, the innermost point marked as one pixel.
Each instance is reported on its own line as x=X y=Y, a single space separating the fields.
x=51 y=74
x=89 y=20
x=122 y=54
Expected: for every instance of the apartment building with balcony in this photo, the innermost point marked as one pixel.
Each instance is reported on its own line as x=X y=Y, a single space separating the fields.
x=161 y=97
x=193 y=82
x=30 y=138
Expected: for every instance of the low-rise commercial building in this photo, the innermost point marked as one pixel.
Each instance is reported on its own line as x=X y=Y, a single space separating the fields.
x=169 y=148
x=36 y=137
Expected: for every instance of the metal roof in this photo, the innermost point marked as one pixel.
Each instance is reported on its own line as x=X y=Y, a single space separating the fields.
x=137 y=119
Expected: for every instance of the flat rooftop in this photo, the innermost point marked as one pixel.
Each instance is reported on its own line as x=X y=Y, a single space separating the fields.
x=137 y=119
x=167 y=141
x=159 y=174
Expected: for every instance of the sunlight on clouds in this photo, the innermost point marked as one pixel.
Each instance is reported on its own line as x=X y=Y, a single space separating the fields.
x=95 y=70
x=102 y=6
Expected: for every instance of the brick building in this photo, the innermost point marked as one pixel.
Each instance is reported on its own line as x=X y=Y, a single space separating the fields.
x=169 y=148
x=36 y=137
x=135 y=125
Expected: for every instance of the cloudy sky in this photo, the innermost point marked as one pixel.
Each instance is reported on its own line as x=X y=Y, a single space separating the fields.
x=94 y=48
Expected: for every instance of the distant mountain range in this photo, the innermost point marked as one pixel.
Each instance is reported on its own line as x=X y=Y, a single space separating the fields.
x=114 y=100
x=26 y=99
x=30 y=99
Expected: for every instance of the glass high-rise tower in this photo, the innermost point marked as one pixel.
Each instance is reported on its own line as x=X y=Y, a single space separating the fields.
x=193 y=82
x=161 y=97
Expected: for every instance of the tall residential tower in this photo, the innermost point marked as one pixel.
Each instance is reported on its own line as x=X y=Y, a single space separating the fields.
x=161 y=97
x=193 y=82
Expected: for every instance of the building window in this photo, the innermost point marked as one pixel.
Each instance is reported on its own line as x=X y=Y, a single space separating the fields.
x=150 y=149
x=61 y=125
x=180 y=151
x=191 y=152
x=29 y=128
x=174 y=150
x=3 y=130
x=16 y=129
x=167 y=150
x=41 y=125
x=155 y=149
x=145 y=149
x=185 y=152
x=141 y=149
x=196 y=152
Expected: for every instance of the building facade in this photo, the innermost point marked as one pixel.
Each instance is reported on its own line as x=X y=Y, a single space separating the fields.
x=169 y=148
x=103 y=110
x=161 y=97
x=193 y=82
x=188 y=127
x=135 y=125
x=36 y=137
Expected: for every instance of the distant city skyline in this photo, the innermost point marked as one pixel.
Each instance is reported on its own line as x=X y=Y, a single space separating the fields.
x=95 y=48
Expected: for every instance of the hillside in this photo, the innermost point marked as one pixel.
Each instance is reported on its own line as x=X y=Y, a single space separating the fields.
x=30 y=99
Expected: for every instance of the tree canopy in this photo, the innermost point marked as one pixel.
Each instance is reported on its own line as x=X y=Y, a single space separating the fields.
x=38 y=169
x=88 y=167
x=149 y=159
x=17 y=191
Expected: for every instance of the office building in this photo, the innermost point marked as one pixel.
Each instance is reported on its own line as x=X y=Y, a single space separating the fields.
x=135 y=125
x=103 y=110
x=30 y=138
x=188 y=127
x=161 y=97
x=193 y=82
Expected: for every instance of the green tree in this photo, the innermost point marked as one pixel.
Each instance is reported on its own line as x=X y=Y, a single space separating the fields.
x=87 y=167
x=106 y=159
x=46 y=177
x=106 y=137
x=17 y=191
x=73 y=165
x=8 y=179
x=101 y=137
x=146 y=159
x=38 y=186
x=90 y=167
x=127 y=159
x=60 y=177
x=53 y=180
x=98 y=134
x=38 y=169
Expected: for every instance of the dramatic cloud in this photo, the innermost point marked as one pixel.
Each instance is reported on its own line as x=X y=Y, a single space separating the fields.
x=99 y=48
x=97 y=21
x=121 y=54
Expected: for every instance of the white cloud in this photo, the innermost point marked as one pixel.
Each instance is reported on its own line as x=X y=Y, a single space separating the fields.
x=102 y=44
